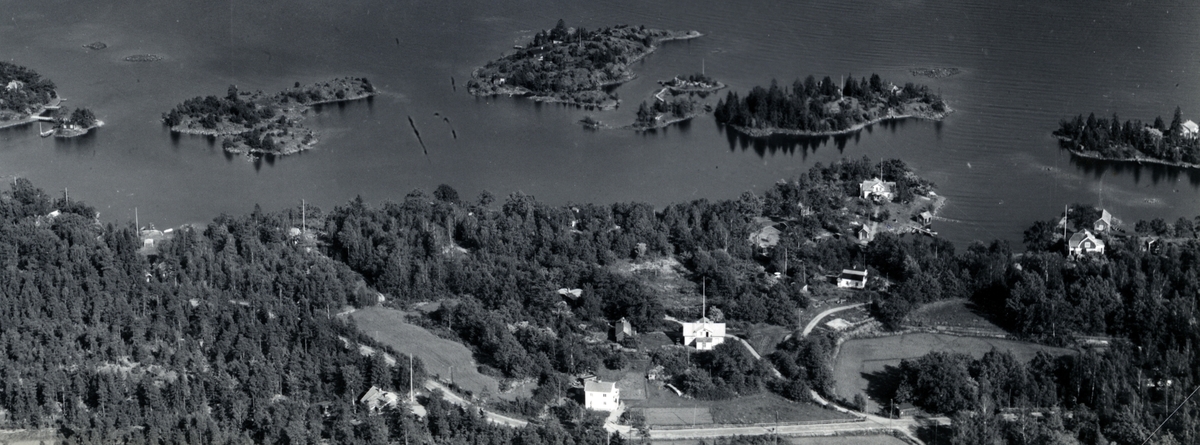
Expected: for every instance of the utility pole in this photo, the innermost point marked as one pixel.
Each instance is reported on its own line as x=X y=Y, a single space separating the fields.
x=136 y=223
x=410 y=379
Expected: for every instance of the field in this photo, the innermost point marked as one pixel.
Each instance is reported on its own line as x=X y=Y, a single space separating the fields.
x=764 y=337
x=670 y=409
x=832 y=440
x=861 y=360
x=388 y=326
x=664 y=277
x=958 y=313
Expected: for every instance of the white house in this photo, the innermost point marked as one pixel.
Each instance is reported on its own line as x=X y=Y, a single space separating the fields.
x=704 y=334
x=852 y=279
x=878 y=187
x=377 y=399
x=1190 y=130
x=601 y=396
x=1104 y=223
x=1084 y=242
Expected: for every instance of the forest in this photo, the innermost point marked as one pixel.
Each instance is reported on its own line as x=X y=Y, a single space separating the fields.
x=824 y=107
x=1132 y=139
x=227 y=335
x=23 y=90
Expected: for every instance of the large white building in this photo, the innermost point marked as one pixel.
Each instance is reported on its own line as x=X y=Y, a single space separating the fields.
x=601 y=396
x=704 y=334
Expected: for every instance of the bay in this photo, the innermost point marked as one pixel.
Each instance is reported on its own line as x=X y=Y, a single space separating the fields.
x=1026 y=65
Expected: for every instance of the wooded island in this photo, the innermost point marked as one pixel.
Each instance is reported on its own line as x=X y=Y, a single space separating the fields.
x=571 y=65
x=1110 y=139
x=812 y=108
x=254 y=123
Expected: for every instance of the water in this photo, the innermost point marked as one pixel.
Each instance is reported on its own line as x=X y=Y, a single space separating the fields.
x=1026 y=66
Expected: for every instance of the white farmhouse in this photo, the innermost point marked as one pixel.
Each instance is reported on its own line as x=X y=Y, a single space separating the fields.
x=601 y=396
x=704 y=334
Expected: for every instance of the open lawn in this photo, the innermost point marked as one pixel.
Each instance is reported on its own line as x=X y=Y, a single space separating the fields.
x=958 y=313
x=861 y=360
x=831 y=440
x=665 y=277
x=389 y=327
x=757 y=408
x=764 y=337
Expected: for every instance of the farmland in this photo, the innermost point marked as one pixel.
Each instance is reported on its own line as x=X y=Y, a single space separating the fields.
x=389 y=327
x=860 y=359
x=828 y=440
x=663 y=407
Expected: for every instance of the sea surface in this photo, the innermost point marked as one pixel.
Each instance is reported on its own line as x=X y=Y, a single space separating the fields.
x=1025 y=67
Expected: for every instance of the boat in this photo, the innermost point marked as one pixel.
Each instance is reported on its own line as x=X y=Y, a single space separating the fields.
x=44 y=133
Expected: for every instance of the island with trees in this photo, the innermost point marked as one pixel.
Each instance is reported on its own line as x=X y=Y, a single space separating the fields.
x=1175 y=144
x=255 y=123
x=680 y=99
x=572 y=65
x=73 y=123
x=812 y=108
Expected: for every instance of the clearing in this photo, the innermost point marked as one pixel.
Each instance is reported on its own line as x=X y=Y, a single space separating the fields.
x=665 y=278
x=663 y=407
x=829 y=440
x=864 y=359
x=957 y=313
x=390 y=327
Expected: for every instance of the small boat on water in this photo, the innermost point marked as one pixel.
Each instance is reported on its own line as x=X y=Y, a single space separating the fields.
x=44 y=133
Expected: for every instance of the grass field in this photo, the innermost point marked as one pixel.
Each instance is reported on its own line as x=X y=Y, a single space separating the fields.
x=861 y=359
x=758 y=408
x=764 y=337
x=833 y=440
x=389 y=327
x=956 y=312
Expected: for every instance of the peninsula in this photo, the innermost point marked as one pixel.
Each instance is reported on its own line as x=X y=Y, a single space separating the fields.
x=255 y=123
x=1132 y=141
x=571 y=65
x=812 y=108
x=26 y=97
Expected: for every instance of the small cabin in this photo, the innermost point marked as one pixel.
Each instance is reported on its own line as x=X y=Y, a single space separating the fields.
x=925 y=218
x=1190 y=130
x=1103 y=224
x=621 y=330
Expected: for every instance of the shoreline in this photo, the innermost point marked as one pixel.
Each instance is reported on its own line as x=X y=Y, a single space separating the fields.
x=1091 y=154
x=764 y=132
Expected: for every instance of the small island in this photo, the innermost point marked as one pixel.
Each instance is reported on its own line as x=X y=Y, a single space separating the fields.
x=72 y=123
x=676 y=102
x=143 y=58
x=936 y=73
x=571 y=65
x=255 y=123
x=812 y=108
x=1176 y=144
